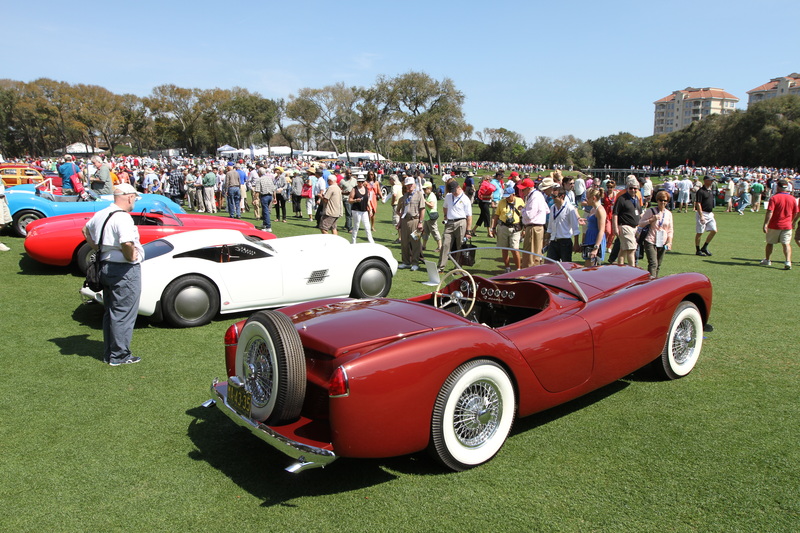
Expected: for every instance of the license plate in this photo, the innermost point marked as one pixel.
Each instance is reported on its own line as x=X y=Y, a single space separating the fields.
x=239 y=399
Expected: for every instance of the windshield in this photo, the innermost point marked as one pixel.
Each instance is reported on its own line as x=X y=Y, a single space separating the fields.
x=168 y=216
x=491 y=261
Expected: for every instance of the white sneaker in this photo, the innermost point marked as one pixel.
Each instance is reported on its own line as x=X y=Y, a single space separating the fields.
x=414 y=268
x=3 y=247
x=766 y=262
x=787 y=265
x=402 y=265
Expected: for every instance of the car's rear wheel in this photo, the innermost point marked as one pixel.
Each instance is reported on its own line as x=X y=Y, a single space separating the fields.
x=684 y=342
x=271 y=363
x=22 y=218
x=190 y=301
x=472 y=415
x=372 y=279
x=85 y=256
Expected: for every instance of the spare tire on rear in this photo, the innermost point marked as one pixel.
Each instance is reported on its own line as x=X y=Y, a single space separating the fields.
x=271 y=363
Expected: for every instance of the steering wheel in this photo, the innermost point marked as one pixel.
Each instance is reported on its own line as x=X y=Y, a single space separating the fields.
x=465 y=303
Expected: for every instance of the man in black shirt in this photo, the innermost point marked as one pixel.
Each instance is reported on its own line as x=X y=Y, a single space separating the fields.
x=625 y=220
x=703 y=206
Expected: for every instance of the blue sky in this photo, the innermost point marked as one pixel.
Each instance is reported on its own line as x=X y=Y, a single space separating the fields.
x=538 y=68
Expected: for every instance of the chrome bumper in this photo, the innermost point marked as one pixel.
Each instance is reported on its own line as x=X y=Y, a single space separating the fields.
x=307 y=456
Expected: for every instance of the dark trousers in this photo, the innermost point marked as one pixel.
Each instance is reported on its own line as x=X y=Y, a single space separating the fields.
x=348 y=214
x=560 y=250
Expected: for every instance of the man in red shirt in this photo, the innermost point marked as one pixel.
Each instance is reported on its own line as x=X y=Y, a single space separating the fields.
x=782 y=212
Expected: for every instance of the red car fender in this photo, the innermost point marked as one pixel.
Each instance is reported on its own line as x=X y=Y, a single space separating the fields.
x=630 y=326
x=393 y=389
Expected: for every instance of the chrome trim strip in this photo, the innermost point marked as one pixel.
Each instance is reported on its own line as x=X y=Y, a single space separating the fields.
x=309 y=456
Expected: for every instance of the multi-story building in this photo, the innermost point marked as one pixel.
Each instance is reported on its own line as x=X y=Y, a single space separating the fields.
x=681 y=108
x=775 y=87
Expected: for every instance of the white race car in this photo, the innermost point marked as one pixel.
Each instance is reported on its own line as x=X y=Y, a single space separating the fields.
x=190 y=277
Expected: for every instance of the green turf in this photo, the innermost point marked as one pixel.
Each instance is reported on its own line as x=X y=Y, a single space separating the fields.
x=86 y=447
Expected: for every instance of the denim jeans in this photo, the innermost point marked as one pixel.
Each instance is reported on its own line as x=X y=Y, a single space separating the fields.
x=266 y=201
x=234 y=197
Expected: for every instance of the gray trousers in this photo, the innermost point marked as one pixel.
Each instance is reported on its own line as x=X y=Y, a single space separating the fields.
x=454 y=233
x=122 y=288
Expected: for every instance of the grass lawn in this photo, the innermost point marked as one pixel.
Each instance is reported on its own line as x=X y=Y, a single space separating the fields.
x=87 y=447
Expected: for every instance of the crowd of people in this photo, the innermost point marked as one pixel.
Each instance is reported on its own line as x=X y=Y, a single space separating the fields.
x=552 y=213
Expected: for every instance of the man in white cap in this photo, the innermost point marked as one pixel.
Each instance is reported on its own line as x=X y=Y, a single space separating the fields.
x=411 y=207
x=625 y=220
x=120 y=272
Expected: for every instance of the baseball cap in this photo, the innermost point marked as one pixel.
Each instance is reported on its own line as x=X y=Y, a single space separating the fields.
x=509 y=190
x=408 y=181
x=125 y=188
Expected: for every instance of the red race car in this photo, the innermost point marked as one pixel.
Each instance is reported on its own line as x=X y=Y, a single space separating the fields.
x=59 y=241
x=450 y=371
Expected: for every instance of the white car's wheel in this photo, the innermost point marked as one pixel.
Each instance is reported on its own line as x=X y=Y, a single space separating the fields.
x=684 y=342
x=371 y=279
x=473 y=415
x=271 y=363
x=190 y=301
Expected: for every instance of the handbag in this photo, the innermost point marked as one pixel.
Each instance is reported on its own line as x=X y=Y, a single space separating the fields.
x=465 y=256
x=433 y=215
x=92 y=281
x=641 y=238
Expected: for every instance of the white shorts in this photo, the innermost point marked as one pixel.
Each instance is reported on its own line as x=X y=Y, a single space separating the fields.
x=683 y=197
x=709 y=225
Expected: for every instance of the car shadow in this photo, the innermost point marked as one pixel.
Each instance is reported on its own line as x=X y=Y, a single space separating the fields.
x=90 y=314
x=29 y=267
x=258 y=468
x=554 y=413
x=80 y=345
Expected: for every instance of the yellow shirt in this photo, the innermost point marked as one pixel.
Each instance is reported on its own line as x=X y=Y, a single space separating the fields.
x=507 y=215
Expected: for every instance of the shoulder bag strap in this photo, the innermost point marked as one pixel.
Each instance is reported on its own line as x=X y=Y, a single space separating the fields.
x=102 y=230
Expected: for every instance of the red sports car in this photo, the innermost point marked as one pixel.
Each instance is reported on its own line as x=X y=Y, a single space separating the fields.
x=449 y=371
x=59 y=241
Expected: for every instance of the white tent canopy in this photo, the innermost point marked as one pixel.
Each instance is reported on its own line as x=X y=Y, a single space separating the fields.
x=358 y=156
x=225 y=148
x=320 y=154
x=81 y=148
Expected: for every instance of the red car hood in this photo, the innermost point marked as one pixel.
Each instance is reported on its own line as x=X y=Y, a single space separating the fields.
x=342 y=326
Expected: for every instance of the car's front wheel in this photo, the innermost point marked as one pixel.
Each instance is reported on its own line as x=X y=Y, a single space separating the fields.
x=271 y=363
x=22 y=218
x=472 y=415
x=372 y=279
x=190 y=301
x=684 y=342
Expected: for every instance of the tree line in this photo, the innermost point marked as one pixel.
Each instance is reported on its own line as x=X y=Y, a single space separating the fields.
x=406 y=117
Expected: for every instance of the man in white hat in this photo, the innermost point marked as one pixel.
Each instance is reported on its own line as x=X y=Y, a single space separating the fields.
x=120 y=272
x=411 y=207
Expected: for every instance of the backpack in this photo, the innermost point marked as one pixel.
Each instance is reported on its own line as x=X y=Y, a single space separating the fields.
x=485 y=191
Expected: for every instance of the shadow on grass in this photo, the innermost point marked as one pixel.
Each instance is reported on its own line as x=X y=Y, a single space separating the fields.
x=258 y=468
x=554 y=413
x=79 y=345
x=29 y=267
x=91 y=315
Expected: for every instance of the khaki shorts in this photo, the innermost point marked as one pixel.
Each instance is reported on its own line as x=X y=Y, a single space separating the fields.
x=627 y=238
x=507 y=238
x=779 y=236
x=328 y=223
